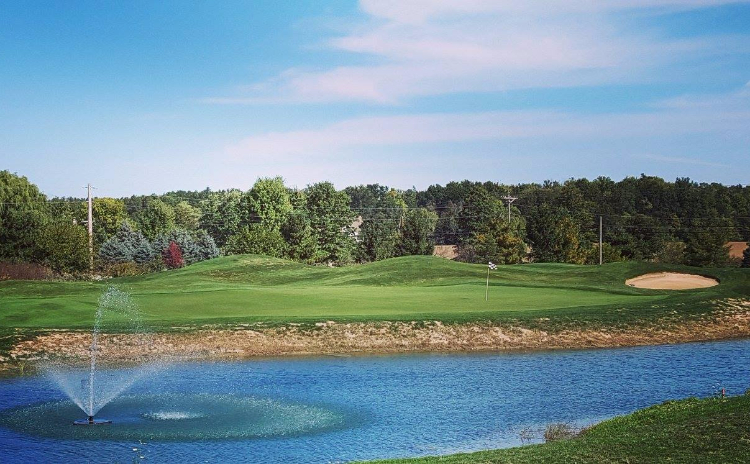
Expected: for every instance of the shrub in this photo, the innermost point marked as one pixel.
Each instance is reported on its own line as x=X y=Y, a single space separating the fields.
x=173 y=256
x=24 y=271
x=63 y=246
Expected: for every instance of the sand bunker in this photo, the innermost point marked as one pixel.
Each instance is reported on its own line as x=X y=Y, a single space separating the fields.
x=671 y=281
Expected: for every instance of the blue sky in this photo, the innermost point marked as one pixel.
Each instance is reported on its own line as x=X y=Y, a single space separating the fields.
x=139 y=97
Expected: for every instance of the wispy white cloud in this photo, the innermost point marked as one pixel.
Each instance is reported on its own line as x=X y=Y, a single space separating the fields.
x=432 y=47
x=726 y=115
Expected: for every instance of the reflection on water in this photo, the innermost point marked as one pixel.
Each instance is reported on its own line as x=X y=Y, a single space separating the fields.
x=339 y=409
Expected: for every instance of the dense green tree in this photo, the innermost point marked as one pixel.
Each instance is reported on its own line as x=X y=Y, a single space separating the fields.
x=108 y=214
x=258 y=240
x=23 y=212
x=706 y=243
x=331 y=218
x=479 y=209
x=416 y=233
x=496 y=241
x=222 y=215
x=186 y=216
x=301 y=242
x=556 y=237
x=268 y=202
x=63 y=246
x=380 y=232
x=154 y=218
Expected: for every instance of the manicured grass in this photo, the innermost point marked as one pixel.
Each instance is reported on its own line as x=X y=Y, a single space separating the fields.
x=245 y=289
x=711 y=430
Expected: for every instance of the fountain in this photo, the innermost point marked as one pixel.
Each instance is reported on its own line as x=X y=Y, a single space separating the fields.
x=119 y=323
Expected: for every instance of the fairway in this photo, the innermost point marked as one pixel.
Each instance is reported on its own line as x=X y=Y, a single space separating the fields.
x=247 y=289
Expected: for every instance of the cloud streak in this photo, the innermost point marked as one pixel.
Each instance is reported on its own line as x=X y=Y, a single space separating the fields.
x=432 y=47
x=725 y=115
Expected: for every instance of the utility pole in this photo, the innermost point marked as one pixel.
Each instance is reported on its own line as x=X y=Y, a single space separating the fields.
x=510 y=200
x=90 y=225
x=600 y=240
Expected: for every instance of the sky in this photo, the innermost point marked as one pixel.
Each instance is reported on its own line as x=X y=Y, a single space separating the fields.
x=139 y=97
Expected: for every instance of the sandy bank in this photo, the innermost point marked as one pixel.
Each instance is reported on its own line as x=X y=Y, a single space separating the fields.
x=730 y=320
x=671 y=281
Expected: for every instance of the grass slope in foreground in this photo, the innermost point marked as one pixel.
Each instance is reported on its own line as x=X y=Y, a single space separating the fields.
x=243 y=289
x=715 y=430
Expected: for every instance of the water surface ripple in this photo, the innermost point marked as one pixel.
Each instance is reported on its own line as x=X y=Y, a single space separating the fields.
x=333 y=409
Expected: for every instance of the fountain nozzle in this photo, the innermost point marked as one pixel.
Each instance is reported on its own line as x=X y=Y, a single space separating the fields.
x=91 y=419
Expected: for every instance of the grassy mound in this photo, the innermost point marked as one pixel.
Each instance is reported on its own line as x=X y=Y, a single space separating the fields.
x=690 y=431
x=243 y=289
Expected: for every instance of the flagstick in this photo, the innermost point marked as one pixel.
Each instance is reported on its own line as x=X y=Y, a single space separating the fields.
x=487 y=288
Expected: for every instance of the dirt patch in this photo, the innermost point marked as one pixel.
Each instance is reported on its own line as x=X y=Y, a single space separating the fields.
x=671 y=281
x=730 y=320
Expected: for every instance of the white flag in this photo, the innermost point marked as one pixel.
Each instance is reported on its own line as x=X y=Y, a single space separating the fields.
x=492 y=265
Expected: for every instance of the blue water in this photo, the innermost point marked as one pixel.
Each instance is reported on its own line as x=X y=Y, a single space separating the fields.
x=378 y=407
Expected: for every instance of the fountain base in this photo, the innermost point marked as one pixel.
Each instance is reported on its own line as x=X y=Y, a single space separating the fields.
x=92 y=421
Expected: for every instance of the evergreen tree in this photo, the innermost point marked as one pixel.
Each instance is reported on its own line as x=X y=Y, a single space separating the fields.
x=207 y=248
x=121 y=247
x=143 y=252
x=189 y=248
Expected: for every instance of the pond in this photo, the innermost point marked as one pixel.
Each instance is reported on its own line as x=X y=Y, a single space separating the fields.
x=333 y=409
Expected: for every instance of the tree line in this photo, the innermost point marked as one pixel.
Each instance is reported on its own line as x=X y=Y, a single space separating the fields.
x=644 y=218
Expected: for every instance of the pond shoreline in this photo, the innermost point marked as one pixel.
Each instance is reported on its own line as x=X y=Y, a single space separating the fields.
x=366 y=338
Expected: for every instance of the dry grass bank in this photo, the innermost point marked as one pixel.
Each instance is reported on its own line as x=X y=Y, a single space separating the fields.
x=730 y=320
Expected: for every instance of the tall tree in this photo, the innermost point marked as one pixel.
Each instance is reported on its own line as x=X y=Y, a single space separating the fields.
x=108 y=214
x=380 y=232
x=154 y=218
x=222 y=215
x=496 y=241
x=186 y=216
x=268 y=202
x=22 y=215
x=301 y=242
x=416 y=233
x=331 y=219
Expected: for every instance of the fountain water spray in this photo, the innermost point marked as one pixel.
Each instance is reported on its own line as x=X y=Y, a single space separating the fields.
x=117 y=326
